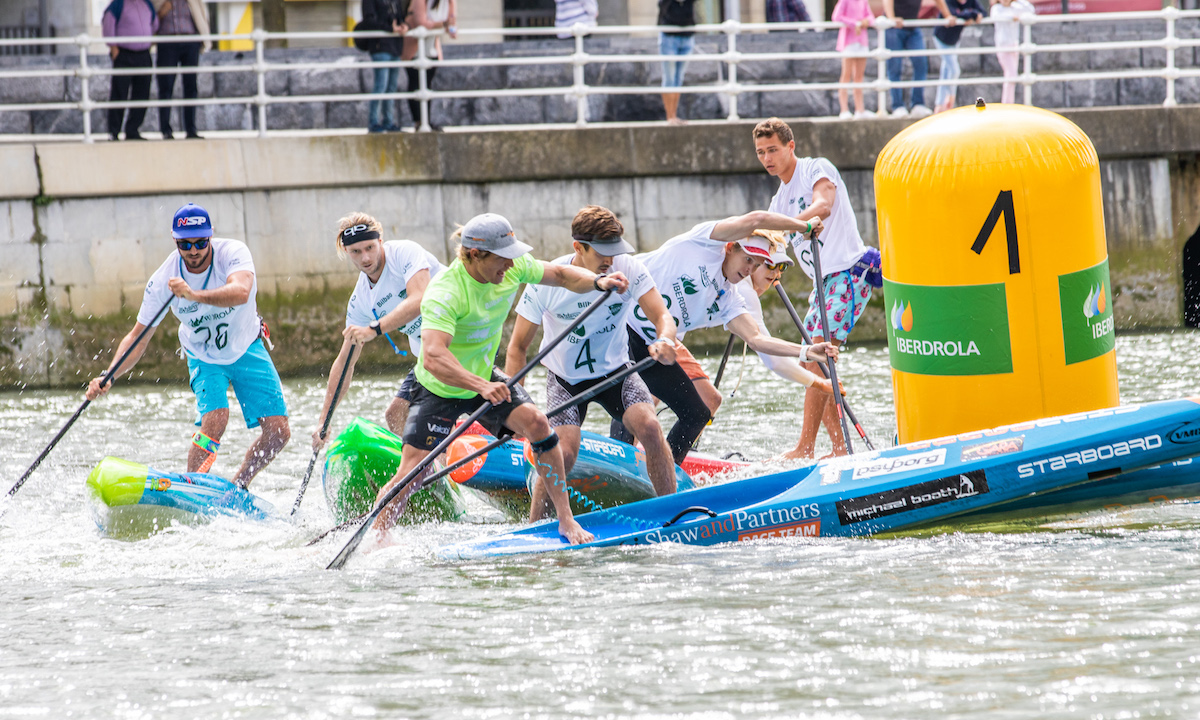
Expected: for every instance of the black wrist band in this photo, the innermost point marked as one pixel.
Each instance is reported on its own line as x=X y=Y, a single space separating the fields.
x=596 y=282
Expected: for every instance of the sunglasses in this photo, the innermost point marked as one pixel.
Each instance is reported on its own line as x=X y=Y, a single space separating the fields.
x=777 y=266
x=185 y=245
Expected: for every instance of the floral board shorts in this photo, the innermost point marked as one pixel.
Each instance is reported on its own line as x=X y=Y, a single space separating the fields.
x=846 y=297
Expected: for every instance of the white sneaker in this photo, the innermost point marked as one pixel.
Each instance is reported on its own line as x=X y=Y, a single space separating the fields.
x=920 y=111
x=845 y=115
x=863 y=115
x=900 y=112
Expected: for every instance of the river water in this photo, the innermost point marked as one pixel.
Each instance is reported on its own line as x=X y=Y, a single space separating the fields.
x=1094 y=616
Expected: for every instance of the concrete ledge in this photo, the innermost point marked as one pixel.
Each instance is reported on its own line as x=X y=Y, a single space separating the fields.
x=20 y=177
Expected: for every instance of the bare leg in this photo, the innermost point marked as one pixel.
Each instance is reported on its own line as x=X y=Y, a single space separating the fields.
x=410 y=457
x=275 y=434
x=858 y=68
x=642 y=422
x=530 y=422
x=671 y=106
x=396 y=415
x=568 y=441
x=708 y=393
x=833 y=426
x=817 y=406
x=845 y=78
x=213 y=425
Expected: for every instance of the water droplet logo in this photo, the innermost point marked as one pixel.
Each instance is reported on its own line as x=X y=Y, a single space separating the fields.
x=1096 y=302
x=902 y=316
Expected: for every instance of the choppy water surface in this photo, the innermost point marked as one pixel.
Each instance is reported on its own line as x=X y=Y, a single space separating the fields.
x=1094 y=617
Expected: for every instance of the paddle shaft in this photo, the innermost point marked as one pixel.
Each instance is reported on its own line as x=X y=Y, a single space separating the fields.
x=819 y=284
x=337 y=394
x=572 y=402
x=787 y=303
x=724 y=360
x=108 y=378
x=340 y=560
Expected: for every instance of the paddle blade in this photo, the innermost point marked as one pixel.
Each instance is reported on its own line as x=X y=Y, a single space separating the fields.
x=355 y=540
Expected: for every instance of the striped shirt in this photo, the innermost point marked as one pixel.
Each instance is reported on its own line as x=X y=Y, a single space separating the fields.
x=569 y=12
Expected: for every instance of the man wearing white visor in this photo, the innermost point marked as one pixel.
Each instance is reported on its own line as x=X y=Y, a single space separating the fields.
x=696 y=272
x=463 y=313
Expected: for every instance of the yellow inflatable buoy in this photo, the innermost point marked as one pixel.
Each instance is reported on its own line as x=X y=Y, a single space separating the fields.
x=996 y=285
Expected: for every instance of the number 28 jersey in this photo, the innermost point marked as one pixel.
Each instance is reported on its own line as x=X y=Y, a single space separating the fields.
x=601 y=344
x=215 y=335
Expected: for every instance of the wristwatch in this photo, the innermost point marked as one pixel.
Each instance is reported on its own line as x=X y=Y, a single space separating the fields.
x=375 y=326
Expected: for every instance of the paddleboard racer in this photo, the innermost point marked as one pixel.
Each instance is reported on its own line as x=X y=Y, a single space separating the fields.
x=598 y=348
x=220 y=335
x=391 y=284
x=463 y=315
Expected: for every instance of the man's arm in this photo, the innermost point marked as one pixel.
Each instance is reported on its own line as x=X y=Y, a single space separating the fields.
x=824 y=195
x=945 y=9
x=95 y=389
x=518 y=346
x=744 y=327
x=889 y=9
x=401 y=315
x=663 y=348
x=235 y=291
x=739 y=227
x=578 y=280
x=441 y=363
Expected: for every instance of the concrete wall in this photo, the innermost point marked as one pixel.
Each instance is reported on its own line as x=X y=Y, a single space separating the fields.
x=82 y=227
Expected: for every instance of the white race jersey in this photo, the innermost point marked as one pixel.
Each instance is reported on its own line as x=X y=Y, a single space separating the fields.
x=600 y=345
x=402 y=260
x=687 y=271
x=216 y=335
x=841 y=245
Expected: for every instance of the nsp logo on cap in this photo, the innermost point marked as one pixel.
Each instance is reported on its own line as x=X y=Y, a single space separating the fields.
x=191 y=221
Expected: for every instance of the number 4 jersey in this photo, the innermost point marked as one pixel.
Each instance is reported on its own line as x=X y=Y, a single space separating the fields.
x=600 y=345
x=210 y=334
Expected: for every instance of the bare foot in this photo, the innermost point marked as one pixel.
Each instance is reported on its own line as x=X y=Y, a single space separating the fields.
x=796 y=455
x=574 y=532
x=676 y=121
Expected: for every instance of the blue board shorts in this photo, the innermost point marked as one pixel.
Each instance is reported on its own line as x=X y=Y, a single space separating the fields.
x=255 y=383
x=846 y=297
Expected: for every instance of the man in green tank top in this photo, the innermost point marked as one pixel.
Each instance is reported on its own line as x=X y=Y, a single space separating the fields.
x=464 y=310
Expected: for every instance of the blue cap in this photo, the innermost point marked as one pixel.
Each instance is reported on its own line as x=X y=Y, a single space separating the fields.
x=191 y=221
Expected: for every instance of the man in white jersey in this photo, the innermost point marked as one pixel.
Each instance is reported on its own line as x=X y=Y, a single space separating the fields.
x=600 y=347
x=212 y=281
x=696 y=273
x=391 y=283
x=812 y=190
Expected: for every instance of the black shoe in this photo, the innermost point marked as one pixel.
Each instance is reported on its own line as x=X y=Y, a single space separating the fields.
x=115 y=137
x=193 y=135
x=133 y=136
x=168 y=135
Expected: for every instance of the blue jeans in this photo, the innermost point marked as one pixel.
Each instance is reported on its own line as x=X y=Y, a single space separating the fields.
x=386 y=81
x=680 y=45
x=906 y=39
x=950 y=71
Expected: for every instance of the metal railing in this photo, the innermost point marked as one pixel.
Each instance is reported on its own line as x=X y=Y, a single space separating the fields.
x=578 y=59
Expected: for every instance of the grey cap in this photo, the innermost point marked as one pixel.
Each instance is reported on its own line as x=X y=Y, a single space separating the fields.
x=493 y=233
x=606 y=246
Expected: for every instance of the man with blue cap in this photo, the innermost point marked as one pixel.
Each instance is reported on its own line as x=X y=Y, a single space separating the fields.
x=212 y=281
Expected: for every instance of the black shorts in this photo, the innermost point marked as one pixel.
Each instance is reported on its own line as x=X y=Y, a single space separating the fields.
x=431 y=417
x=406 y=388
x=616 y=400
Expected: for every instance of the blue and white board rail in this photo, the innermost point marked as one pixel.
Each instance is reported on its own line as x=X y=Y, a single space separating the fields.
x=129 y=498
x=917 y=484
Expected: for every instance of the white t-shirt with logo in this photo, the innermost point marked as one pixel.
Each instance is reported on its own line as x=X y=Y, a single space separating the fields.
x=787 y=368
x=600 y=345
x=402 y=260
x=687 y=271
x=211 y=334
x=841 y=245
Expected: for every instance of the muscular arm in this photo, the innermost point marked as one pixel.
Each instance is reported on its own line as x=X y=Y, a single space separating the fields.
x=235 y=291
x=95 y=389
x=824 y=195
x=739 y=227
x=441 y=363
x=655 y=309
x=410 y=307
x=518 y=346
x=578 y=280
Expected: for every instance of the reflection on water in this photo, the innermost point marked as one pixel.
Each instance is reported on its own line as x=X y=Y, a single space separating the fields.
x=1095 y=616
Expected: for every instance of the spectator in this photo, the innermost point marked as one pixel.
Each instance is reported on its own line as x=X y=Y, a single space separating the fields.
x=679 y=13
x=1008 y=36
x=431 y=14
x=175 y=18
x=382 y=15
x=129 y=18
x=569 y=12
x=900 y=38
x=787 y=11
x=854 y=43
x=946 y=38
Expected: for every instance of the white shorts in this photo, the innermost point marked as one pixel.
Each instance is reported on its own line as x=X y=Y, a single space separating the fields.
x=856 y=50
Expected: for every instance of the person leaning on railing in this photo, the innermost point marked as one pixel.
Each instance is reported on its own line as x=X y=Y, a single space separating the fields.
x=129 y=18
x=384 y=15
x=175 y=18
x=431 y=14
x=901 y=38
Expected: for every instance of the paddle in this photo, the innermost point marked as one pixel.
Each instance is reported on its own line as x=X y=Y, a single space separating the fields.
x=340 y=560
x=505 y=437
x=819 y=283
x=724 y=360
x=108 y=377
x=337 y=393
x=787 y=303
